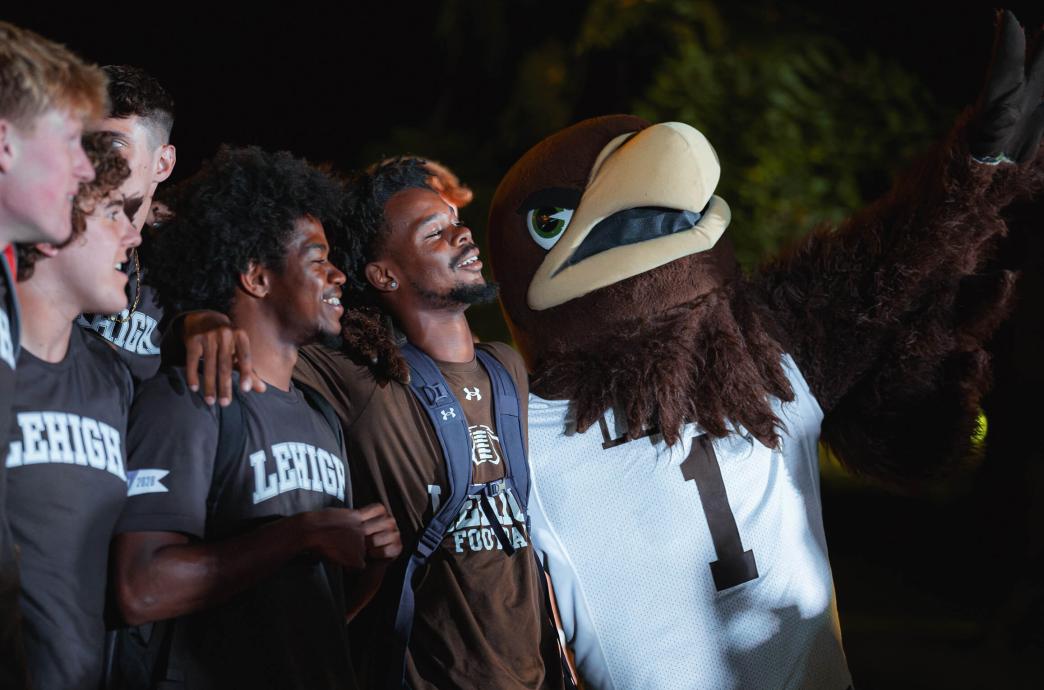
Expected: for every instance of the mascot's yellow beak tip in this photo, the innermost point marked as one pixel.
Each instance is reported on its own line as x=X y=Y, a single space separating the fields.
x=648 y=201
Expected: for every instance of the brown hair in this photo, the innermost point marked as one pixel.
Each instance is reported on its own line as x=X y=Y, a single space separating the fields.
x=37 y=74
x=110 y=170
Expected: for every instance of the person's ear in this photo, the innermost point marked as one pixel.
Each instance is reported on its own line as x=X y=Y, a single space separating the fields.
x=255 y=282
x=381 y=276
x=7 y=145
x=165 y=163
x=46 y=248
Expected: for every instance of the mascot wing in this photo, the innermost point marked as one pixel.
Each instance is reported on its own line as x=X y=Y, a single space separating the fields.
x=888 y=315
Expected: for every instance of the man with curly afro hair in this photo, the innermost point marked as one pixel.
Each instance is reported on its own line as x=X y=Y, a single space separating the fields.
x=478 y=617
x=243 y=539
x=65 y=462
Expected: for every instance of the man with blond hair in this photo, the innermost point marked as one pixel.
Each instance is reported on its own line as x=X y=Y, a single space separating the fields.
x=47 y=94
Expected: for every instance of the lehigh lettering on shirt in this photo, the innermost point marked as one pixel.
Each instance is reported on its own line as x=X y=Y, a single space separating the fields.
x=63 y=437
x=296 y=466
x=133 y=334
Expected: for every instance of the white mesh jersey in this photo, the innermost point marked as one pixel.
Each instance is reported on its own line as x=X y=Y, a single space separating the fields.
x=629 y=530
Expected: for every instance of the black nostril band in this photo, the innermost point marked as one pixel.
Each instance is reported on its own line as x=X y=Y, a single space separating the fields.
x=632 y=226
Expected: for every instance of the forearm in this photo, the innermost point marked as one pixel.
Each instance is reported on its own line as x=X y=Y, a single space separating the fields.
x=182 y=577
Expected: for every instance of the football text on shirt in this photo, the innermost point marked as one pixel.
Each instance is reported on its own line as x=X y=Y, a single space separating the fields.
x=134 y=334
x=63 y=437
x=6 y=346
x=297 y=466
x=471 y=530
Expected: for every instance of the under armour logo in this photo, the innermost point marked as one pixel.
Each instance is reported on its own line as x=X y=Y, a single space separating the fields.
x=473 y=393
x=447 y=414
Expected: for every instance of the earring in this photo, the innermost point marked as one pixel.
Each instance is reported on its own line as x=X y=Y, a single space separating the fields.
x=393 y=285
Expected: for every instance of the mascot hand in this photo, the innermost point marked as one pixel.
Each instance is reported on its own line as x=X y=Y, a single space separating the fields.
x=1010 y=118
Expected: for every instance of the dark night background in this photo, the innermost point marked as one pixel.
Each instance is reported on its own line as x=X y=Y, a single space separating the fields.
x=938 y=587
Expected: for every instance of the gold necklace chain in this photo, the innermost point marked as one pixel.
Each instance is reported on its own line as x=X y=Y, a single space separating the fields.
x=137 y=292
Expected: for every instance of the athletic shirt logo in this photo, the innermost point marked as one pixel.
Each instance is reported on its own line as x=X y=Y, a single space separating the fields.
x=63 y=437
x=134 y=333
x=297 y=466
x=471 y=531
x=472 y=393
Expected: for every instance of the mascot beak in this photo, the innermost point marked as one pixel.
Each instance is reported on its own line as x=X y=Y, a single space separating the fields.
x=648 y=201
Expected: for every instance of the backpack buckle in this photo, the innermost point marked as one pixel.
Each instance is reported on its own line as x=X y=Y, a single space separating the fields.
x=427 y=544
x=434 y=393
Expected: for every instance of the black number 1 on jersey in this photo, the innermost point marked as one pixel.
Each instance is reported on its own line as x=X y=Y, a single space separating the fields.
x=734 y=565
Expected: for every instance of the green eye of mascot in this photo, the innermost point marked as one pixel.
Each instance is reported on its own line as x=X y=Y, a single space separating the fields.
x=678 y=407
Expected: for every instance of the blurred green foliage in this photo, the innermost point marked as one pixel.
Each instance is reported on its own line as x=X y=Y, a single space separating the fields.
x=806 y=130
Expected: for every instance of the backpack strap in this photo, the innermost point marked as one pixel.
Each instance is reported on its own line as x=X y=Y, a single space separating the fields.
x=447 y=419
x=507 y=413
x=508 y=422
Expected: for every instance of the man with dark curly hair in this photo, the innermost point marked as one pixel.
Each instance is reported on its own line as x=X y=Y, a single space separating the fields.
x=141 y=118
x=476 y=617
x=65 y=462
x=46 y=96
x=242 y=538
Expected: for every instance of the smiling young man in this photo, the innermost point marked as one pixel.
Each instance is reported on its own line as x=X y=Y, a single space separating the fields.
x=46 y=95
x=242 y=536
x=141 y=118
x=478 y=617
x=65 y=462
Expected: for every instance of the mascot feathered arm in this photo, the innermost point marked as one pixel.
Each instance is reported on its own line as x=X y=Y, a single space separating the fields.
x=887 y=315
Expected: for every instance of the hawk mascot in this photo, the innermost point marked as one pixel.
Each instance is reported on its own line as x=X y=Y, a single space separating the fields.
x=678 y=404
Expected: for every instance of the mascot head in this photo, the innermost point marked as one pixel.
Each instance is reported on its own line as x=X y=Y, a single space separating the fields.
x=611 y=217
x=617 y=282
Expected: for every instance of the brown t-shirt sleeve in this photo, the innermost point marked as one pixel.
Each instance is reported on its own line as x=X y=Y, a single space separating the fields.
x=347 y=386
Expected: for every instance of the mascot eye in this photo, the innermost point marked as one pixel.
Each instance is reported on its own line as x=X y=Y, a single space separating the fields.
x=546 y=224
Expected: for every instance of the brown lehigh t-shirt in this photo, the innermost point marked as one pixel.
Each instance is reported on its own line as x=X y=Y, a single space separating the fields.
x=480 y=619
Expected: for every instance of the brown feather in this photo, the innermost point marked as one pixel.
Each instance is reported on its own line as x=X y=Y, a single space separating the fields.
x=709 y=360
